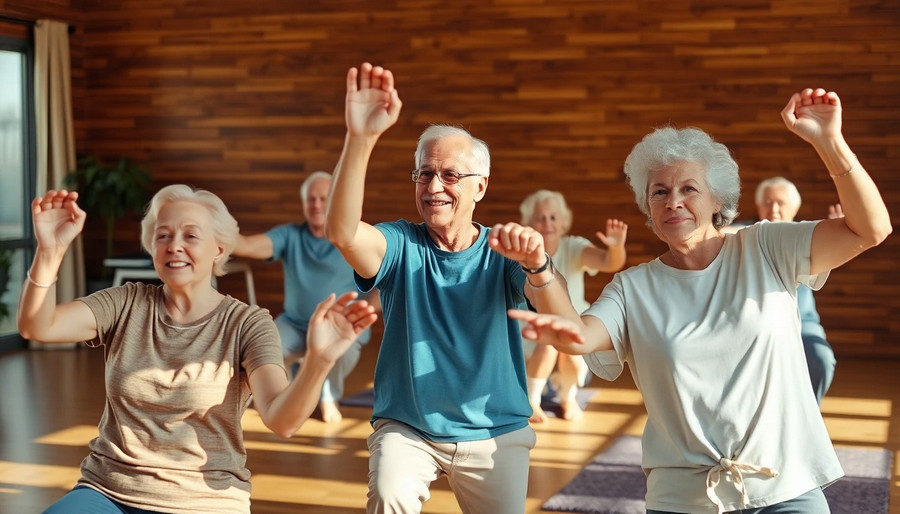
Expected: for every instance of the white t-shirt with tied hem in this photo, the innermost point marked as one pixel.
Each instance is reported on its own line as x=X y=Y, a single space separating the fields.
x=717 y=356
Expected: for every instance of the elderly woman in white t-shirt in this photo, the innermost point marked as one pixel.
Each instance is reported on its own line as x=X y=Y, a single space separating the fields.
x=573 y=256
x=710 y=329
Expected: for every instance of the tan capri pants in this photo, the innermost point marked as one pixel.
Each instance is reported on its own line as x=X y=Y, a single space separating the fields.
x=489 y=476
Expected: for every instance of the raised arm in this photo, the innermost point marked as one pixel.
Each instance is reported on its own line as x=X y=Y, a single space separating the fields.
x=611 y=258
x=256 y=246
x=57 y=221
x=815 y=116
x=372 y=106
x=333 y=327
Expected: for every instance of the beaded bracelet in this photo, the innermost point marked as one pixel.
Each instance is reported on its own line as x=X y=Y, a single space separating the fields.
x=849 y=171
x=38 y=284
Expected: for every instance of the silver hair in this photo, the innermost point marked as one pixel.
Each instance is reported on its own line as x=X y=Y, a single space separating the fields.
x=526 y=209
x=793 y=192
x=314 y=176
x=225 y=227
x=479 y=158
x=665 y=146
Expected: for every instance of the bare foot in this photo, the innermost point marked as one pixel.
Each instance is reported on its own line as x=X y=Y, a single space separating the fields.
x=571 y=410
x=330 y=412
x=537 y=414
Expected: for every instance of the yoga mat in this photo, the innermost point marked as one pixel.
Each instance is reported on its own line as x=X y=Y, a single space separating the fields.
x=613 y=482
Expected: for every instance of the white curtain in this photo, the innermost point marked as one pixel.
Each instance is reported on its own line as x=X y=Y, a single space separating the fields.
x=55 y=135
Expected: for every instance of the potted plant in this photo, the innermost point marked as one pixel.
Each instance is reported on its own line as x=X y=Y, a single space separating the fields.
x=109 y=192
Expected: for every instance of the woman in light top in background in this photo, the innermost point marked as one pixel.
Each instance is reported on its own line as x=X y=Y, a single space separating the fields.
x=181 y=360
x=573 y=256
x=710 y=329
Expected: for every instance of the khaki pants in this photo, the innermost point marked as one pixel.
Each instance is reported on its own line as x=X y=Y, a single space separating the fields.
x=489 y=476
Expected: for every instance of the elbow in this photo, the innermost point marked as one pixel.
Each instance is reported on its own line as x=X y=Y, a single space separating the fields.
x=283 y=430
x=285 y=433
x=339 y=238
x=26 y=330
x=878 y=235
x=26 y=333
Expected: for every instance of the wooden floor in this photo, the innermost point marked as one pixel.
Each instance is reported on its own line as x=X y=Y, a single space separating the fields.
x=51 y=402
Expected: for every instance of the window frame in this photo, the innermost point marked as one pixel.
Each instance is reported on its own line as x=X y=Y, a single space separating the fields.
x=29 y=164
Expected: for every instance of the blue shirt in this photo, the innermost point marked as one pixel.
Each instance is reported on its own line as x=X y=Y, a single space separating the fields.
x=451 y=363
x=313 y=269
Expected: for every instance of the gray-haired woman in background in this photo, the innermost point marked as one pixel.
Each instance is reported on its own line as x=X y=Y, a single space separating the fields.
x=710 y=329
x=573 y=256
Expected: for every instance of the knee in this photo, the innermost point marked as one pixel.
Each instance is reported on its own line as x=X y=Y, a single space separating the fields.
x=820 y=357
x=391 y=493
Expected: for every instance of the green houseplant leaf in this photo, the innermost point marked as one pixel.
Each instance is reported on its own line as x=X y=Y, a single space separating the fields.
x=109 y=192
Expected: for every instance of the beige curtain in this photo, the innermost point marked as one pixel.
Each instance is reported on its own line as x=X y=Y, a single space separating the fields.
x=55 y=135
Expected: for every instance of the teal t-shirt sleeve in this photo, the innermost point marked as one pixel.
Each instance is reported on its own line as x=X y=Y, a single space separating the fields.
x=279 y=236
x=394 y=232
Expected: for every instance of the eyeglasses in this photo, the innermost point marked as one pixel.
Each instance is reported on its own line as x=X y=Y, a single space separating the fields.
x=447 y=177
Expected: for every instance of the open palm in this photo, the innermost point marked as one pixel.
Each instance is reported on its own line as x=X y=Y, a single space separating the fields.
x=57 y=219
x=372 y=104
x=335 y=325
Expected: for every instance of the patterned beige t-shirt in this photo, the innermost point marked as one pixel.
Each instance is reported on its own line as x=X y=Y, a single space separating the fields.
x=170 y=436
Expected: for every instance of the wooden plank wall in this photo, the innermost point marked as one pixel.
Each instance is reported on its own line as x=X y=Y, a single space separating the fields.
x=246 y=98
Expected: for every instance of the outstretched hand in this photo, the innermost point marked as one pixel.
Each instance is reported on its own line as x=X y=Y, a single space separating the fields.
x=813 y=114
x=548 y=329
x=616 y=233
x=519 y=243
x=372 y=104
x=835 y=211
x=335 y=325
x=57 y=219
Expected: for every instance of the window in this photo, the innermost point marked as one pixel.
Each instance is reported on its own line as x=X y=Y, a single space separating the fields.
x=17 y=171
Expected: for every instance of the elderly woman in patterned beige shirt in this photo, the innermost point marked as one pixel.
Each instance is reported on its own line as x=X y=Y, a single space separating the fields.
x=182 y=360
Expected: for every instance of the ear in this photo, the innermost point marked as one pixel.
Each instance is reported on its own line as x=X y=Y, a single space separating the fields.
x=482 y=188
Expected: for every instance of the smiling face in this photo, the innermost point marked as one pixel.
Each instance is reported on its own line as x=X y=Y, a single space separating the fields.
x=681 y=203
x=548 y=220
x=444 y=207
x=184 y=244
x=315 y=203
x=777 y=204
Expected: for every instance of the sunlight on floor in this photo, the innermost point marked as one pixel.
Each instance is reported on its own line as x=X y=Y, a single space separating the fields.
x=280 y=488
x=38 y=475
x=79 y=435
x=288 y=447
x=856 y=407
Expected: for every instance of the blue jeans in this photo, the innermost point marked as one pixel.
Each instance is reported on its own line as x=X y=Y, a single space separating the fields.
x=813 y=502
x=821 y=363
x=84 y=500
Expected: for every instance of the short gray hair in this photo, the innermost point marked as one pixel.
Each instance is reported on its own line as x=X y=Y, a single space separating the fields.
x=665 y=146
x=479 y=158
x=314 y=176
x=793 y=192
x=526 y=209
x=225 y=227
